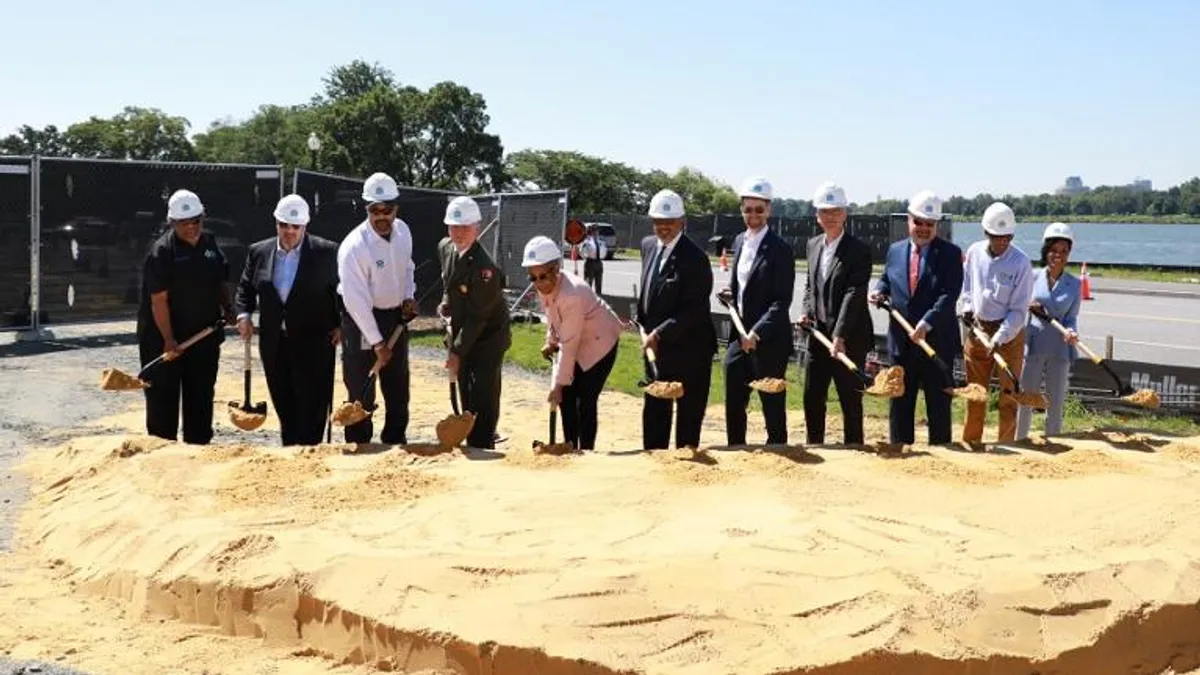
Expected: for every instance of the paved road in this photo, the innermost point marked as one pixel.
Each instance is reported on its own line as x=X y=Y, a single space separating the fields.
x=1151 y=322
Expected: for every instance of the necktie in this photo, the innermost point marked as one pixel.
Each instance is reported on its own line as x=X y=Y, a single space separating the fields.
x=914 y=267
x=652 y=273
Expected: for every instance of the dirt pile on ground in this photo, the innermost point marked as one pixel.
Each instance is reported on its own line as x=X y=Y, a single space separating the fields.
x=747 y=560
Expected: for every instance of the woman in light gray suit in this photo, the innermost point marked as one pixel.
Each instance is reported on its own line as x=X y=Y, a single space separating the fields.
x=1048 y=353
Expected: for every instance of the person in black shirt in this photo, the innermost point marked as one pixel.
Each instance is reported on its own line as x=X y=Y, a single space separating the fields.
x=184 y=290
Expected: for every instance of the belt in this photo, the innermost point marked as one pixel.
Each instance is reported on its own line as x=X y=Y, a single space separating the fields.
x=990 y=326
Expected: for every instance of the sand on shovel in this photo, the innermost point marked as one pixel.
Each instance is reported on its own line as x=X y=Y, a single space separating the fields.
x=770 y=385
x=1147 y=398
x=243 y=419
x=1032 y=399
x=889 y=382
x=112 y=379
x=453 y=430
x=350 y=412
x=668 y=390
x=972 y=392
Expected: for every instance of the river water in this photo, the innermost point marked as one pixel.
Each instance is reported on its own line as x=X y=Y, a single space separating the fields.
x=1133 y=243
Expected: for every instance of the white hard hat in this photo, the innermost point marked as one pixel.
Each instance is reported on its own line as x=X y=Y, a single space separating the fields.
x=1058 y=231
x=292 y=210
x=830 y=195
x=756 y=188
x=926 y=204
x=184 y=204
x=999 y=220
x=379 y=187
x=539 y=251
x=462 y=211
x=666 y=204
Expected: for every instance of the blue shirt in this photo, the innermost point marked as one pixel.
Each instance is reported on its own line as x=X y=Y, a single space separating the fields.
x=1062 y=303
x=284 y=275
x=998 y=289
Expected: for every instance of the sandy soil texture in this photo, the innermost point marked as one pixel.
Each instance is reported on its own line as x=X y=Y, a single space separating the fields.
x=139 y=555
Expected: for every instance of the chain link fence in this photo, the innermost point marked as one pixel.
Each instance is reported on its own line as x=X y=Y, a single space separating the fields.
x=16 y=232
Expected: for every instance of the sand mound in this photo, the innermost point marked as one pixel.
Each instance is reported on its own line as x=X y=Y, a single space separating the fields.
x=746 y=560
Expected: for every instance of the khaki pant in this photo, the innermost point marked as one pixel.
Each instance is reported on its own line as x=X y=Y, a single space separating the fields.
x=980 y=367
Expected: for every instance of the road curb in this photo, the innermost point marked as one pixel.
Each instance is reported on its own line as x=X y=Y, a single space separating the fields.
x=1154 y=292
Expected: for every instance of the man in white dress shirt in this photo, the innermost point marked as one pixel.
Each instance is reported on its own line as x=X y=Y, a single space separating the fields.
x=378 y=290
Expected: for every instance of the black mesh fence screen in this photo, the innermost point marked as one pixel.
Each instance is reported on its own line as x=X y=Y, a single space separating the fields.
x=337 y=208
x=99 y=216
x=16 y=183
x=523 y=216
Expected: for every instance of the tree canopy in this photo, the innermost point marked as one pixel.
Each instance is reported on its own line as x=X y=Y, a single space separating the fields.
x=367 y=121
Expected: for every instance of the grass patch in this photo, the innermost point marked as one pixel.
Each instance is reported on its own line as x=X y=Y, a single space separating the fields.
x=525 y=353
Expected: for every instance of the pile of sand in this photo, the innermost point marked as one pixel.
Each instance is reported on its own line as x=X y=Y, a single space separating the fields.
x=744 y=561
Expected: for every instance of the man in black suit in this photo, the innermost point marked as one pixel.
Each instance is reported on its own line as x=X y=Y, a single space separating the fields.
x=835 y=303
x=922 y=278
x=760 y=290
x=291 y=279
x=673 y=309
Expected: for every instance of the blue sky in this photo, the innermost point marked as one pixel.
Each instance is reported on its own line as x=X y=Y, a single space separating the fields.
x=884 y=97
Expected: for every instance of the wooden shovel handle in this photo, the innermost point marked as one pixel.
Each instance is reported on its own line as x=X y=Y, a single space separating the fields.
x=922 y=343
x=1082 y=347
x=829 y=345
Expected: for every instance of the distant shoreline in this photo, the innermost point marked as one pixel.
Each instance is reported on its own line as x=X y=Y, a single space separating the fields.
x=1141 y=220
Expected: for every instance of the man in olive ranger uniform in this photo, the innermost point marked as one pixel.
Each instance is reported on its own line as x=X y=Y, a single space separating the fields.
x=480 y=334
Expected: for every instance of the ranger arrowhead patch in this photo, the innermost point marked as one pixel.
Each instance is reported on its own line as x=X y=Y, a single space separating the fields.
x=486 y=273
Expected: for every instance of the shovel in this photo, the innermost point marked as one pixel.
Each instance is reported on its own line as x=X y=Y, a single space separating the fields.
x=655 y=387
x=1146 y=398
x=1033 y=400
x=769 y=385
x=971 y=392
x=112 y=379
x=247 y=417
x=552 y=448
x=889 y=383
x=353 y=412
x=453 y=430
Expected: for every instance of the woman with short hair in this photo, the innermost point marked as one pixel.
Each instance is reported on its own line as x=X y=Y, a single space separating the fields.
x=585 y=332
x=1048 y=353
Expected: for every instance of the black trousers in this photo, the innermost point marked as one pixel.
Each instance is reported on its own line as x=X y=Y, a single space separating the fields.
x=299 y=373
x=921 y=373
x=822 y=368
x=392 y=380
x=191 y=377
x=580 y=418
x=479 y=387
x=740 y=370
x=593 y=274
x=696 y=376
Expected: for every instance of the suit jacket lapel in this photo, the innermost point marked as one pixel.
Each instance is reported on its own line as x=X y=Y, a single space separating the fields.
x=270 y=267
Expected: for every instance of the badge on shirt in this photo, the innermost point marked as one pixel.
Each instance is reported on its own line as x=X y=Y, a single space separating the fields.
x=462 y=289
x=486 y=273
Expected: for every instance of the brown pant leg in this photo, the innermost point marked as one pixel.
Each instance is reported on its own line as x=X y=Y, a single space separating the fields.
x=979 y=371
x=1013 y=352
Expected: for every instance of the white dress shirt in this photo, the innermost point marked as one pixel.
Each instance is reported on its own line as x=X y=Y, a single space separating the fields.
x=751 y=240
x=375 y=273
x=828 y=248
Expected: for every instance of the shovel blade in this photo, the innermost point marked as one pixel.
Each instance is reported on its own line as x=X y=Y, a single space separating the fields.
x=112 y=379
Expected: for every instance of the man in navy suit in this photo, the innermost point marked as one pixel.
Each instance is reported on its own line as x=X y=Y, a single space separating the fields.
x=674 y=310
x=922 y=278
x=760 y=290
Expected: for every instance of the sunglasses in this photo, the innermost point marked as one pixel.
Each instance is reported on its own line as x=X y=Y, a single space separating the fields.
x=381 y=210
x=288 y=226
x=754 y=209
x=924 y=223
x=544 y=276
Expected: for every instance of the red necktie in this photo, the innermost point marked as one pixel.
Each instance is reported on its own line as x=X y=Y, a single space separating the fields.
x=914 y=267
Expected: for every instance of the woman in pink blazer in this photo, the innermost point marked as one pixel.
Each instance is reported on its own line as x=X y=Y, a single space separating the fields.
x=585 y=332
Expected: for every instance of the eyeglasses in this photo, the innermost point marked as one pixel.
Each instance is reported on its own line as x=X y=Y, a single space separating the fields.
x=381 y=209
x=754 y=209
x=544 y=276
x=287 y=226
x=924 y=223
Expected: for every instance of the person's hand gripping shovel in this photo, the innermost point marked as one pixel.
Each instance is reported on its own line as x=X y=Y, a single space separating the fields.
x=245 y=416
x=770 y=385
x=552 y=448
x=454 y=429
x=654 y=386
x=889 y=383
x=970 y=392
x=353 y=412
x=112 y=379
x=1147 y=398
x=1031 y=399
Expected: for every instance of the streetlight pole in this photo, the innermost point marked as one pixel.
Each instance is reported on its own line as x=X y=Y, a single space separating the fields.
x=314 y=146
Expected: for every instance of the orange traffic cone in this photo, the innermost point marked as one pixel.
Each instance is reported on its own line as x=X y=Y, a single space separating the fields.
x=724 y=262
x=1085 y=282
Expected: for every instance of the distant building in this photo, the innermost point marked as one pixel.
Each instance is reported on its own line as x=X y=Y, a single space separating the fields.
x=1140 y=185
x=1072 y=186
